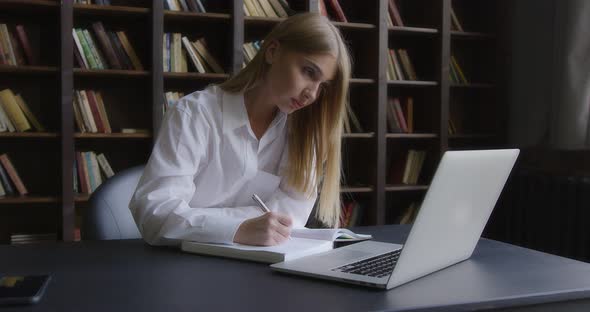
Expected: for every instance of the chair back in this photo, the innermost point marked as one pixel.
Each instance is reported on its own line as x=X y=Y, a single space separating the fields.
x=108 y=215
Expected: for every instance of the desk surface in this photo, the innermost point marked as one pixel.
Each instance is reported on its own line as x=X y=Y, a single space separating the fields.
x=129 y=275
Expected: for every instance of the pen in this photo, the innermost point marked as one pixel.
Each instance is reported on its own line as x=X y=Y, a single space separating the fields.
x=260 y=203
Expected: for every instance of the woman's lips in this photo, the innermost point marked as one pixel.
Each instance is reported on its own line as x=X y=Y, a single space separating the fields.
x=296 y=104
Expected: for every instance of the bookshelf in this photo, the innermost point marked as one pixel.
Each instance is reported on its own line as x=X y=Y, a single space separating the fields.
x=134 y=98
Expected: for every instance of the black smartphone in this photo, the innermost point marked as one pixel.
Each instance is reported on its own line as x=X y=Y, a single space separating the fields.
x=22 y=289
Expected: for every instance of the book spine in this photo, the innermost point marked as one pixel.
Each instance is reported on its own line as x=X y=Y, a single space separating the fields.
x=103 y=112
x=95 y=169
x=7 y=45
x=89 y=171
x=120 y=51
x=25 y=108
x=201 y=48
x=338 y=10
x=13 y=174
x=78 y=115
x=95 y=111
x=16 y=115
x=5 y=180
x=276 y=5
x=105 y=166
x=193 y=55
x=88 y=111
x=82 y=174
x=129 y=50
x=87 y=53
x=17 y=49
x=5 y=120
x=94 y=50
x=106 y=45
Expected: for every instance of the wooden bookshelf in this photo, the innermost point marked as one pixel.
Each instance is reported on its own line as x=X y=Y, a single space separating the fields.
x=134 y=98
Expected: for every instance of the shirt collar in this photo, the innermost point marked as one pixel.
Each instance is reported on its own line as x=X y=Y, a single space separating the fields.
x=235 y=115
x=233 y=110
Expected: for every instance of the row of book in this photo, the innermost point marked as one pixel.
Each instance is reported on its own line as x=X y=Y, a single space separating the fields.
x=10 y=181
x=267 y=8
x=408 y=171
x=351 y=213
x=32 y=238
x=90 y=113
x=111 y=50
x=185 y=6
x=90 y=170
x=15 y=114
x=15 y=48
x=97 y=2
x=456 y=73
x=400 y=116
x=176 y=47
x=400 y=66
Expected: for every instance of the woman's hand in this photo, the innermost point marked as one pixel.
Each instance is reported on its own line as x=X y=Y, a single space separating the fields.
x=267 y=230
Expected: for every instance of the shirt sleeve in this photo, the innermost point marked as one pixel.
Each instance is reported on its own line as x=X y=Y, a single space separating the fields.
x=160 y=204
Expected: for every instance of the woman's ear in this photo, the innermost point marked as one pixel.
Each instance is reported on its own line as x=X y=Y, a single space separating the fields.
x=272 y=52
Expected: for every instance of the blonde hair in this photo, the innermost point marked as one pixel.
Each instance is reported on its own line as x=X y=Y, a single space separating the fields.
x=315 y=131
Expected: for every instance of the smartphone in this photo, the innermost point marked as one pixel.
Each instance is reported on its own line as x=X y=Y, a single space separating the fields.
x=22 y=289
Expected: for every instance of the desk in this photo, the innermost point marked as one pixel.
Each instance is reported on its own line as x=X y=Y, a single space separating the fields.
x=129 y=275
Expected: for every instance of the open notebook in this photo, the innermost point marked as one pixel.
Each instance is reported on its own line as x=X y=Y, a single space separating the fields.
x=303 y=242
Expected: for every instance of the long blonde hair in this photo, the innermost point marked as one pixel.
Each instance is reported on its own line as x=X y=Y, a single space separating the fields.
x=316 y=130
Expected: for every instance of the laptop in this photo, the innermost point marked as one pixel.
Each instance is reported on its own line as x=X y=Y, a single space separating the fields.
x=454 y=212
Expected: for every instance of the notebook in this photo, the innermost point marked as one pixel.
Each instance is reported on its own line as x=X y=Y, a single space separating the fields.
x=303 y=242
x=448 y=226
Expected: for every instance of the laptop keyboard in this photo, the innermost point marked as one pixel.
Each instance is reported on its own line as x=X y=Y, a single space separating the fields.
x=378 y=266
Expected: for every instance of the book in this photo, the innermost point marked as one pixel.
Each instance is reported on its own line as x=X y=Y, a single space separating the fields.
x=455 y=24
x=5 y=181
x=95 y=111
x=124 y=60
x=2 y=191
x=276 y=5
x=195 y=58
x=7 y=45
x=27 y=111
x=105 y=166
x=394 y=14
x=267 y=8
x=303 y=242
x=102 y=112
x=25 y=45
x=13 y=174
x=338 y=12
x=5 y=121
x=106 y=45
x=13 y=111
x=129 y=50
x=201 y=47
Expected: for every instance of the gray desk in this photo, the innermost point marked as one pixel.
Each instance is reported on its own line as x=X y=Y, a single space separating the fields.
x=132 y=276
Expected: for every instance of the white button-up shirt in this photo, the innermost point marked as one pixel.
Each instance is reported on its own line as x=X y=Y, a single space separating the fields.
x=205 y=166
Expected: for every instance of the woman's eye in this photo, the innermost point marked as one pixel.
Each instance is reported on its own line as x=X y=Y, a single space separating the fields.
x=309 y=71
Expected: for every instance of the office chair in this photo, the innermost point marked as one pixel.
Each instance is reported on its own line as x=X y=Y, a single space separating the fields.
x=108 y=215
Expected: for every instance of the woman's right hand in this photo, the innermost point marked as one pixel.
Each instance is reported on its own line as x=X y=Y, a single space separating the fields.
x=269 y=229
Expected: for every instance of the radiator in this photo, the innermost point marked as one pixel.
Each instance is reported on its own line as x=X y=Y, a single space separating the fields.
x=546 y=212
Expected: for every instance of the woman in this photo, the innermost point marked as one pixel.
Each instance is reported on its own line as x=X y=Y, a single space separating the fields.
x=261 y=132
